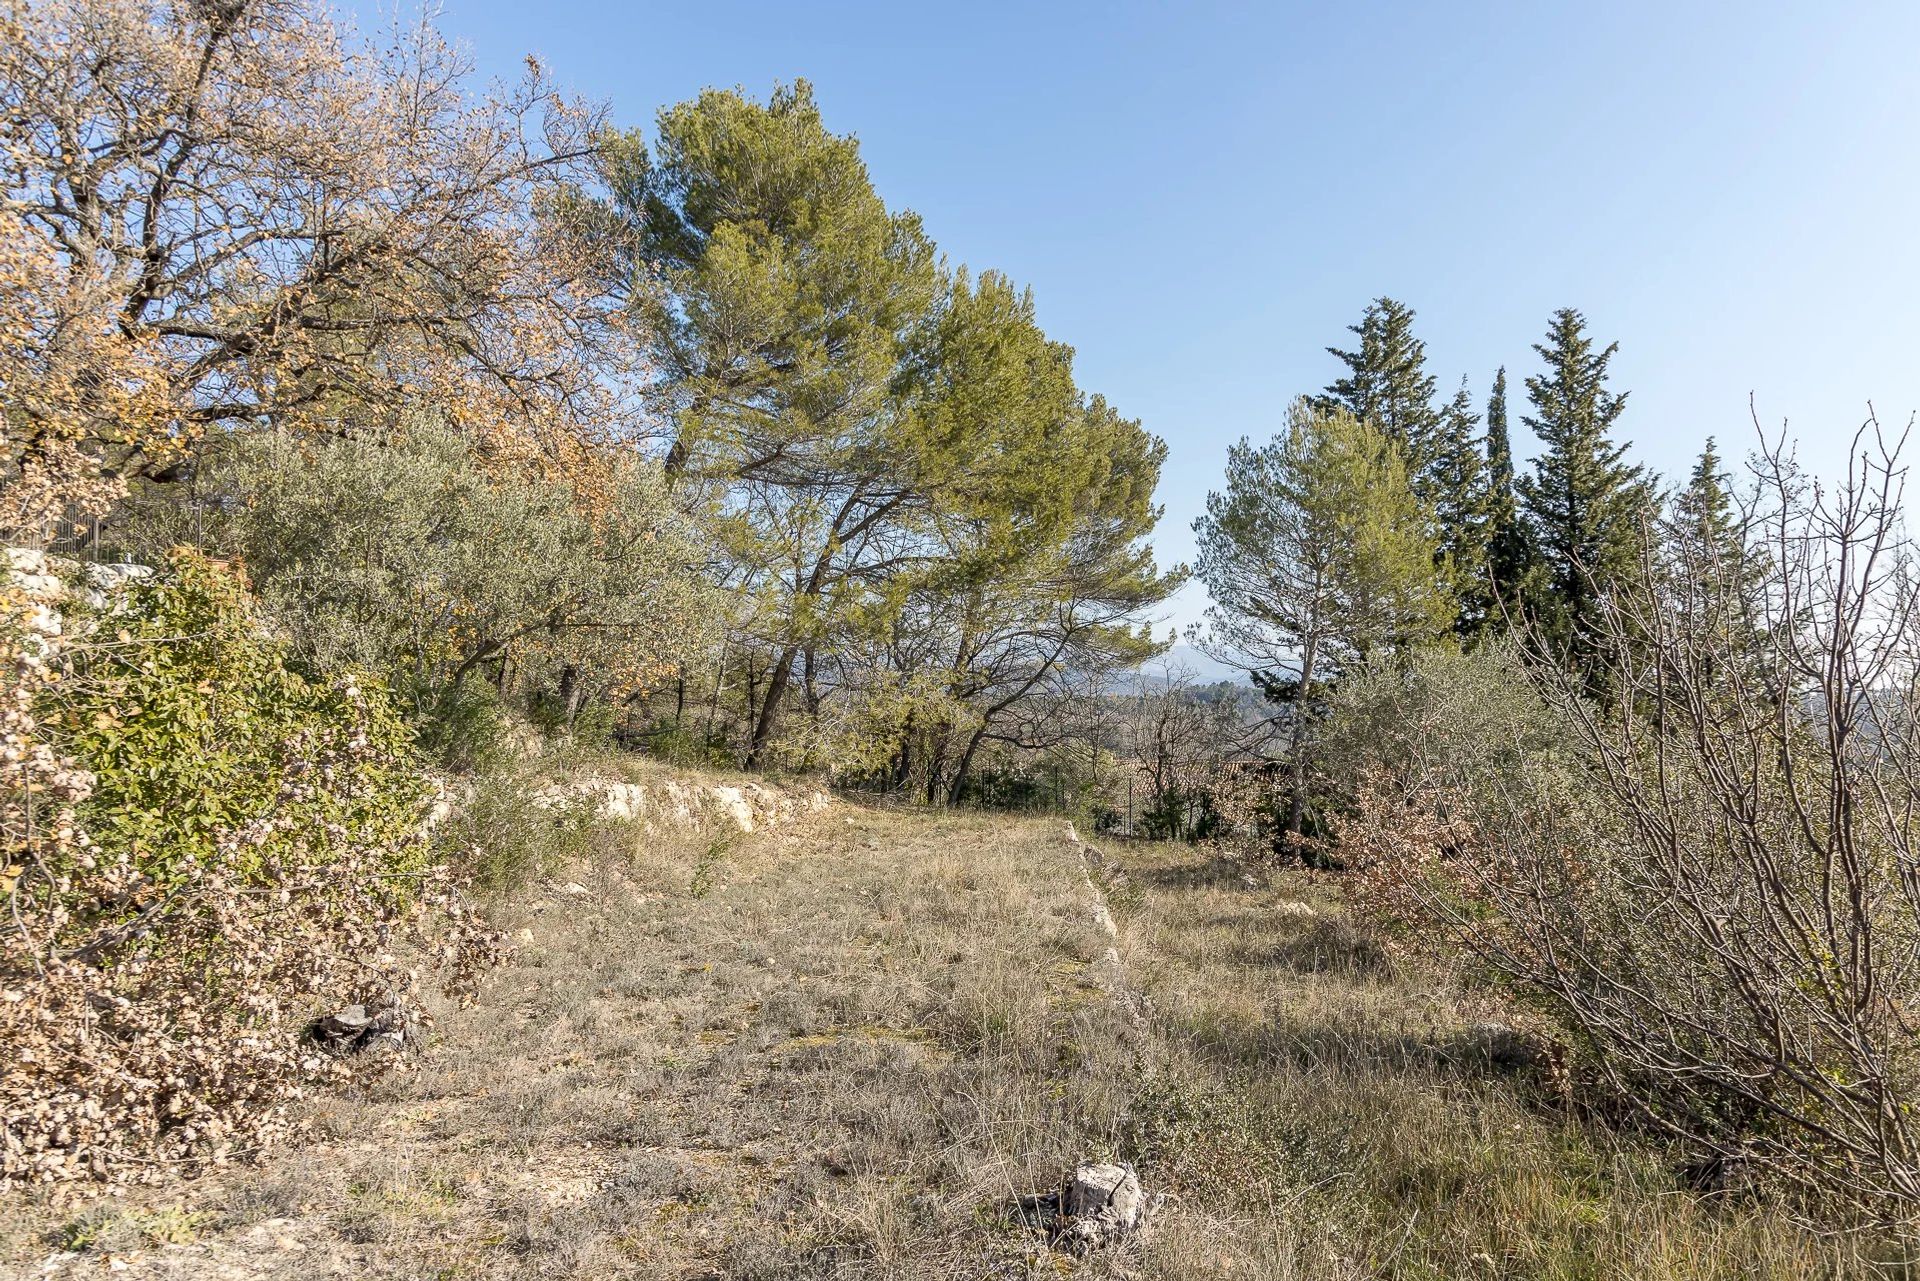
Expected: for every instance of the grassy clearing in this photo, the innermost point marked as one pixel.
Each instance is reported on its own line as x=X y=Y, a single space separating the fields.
x=844 y=1048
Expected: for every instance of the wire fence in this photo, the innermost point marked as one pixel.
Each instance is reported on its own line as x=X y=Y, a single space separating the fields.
x=89 y=537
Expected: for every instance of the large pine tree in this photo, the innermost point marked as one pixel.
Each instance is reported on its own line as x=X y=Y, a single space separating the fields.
x=1585 y=505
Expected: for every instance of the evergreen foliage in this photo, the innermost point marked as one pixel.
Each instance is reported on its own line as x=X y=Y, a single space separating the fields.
x=1456 y=484
x=1318 y=555
x=1387 y=383
x=789 y=295
x=1702 y=514
x=1510 y=560
x=911 y=483
x=1711 y=578
x=1586 y=507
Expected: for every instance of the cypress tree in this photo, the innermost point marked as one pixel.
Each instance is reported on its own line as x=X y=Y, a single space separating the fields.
x=1585 y=506
x=1499 y=446
x=1509 y=558
x=1455 y=483
x=1388 y=387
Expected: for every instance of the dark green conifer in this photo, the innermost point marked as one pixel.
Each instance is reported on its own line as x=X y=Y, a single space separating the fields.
x=1454 y=484
x=1509 y=557
x=1585 y=506
x=1387 y=383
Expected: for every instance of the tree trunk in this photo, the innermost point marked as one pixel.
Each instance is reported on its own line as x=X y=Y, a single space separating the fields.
x=719 y=678
x=769 y=718
x=1297 y=747
x=903 y=762
x=966 y=764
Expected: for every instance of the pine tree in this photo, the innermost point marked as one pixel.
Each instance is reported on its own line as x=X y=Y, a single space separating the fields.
x=1317 y=555
x=1509 y=556
x=1585 y=507
x=1387 y=382
x=1702 y=515
x=791 y=294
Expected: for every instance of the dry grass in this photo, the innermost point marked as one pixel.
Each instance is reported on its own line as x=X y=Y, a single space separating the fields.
x=843 y=1049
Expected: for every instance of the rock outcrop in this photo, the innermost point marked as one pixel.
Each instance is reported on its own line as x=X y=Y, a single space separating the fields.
x=687 y=804
x=47 y=583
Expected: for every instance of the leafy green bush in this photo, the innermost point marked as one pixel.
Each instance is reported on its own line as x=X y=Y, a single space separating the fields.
x=464 y=726
x=240 y=845
x=194 y=727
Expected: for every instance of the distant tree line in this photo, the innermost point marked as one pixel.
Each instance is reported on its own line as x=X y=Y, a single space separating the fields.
x=1386 y=519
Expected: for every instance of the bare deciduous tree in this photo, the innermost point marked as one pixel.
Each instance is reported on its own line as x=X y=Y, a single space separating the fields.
x=1713 y=880
x=231 y=214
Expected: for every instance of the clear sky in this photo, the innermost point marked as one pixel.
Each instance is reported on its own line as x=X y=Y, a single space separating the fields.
x=1203 y=195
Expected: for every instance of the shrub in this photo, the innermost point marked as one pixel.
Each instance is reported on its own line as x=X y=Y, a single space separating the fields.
x=417 y=555
x=513 y=825
x=683 y=746
x=1711 y=879
x=1441 y=718
x=223 y=843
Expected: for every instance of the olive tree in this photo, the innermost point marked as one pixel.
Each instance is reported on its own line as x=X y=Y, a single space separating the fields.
x=414 y=555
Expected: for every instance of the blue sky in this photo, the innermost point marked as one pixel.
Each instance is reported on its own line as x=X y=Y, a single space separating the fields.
x=1203 y=195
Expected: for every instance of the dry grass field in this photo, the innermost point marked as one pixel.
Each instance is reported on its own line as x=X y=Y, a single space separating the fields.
x=845 y=1048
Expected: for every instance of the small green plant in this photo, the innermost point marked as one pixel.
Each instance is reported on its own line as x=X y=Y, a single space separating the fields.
x=706 y=873
x=110 y=1229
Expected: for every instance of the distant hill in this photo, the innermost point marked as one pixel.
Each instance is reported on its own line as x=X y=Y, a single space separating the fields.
x=1205 y=669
